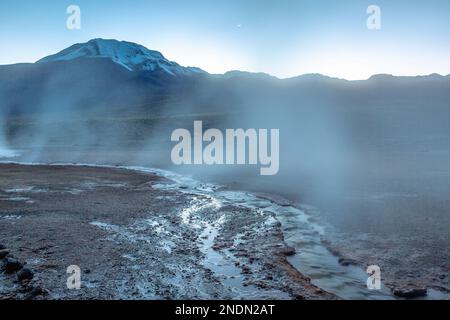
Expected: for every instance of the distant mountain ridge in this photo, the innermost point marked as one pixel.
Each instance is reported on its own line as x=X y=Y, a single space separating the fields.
x=136 y=57
x=110 y=76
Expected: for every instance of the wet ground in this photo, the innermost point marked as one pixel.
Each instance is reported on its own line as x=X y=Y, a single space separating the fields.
x=139 y=235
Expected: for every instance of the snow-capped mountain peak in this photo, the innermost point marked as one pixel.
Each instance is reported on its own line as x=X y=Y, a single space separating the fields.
x=131 y=56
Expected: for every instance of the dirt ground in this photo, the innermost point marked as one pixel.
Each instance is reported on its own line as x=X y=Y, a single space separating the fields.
x=133 y=240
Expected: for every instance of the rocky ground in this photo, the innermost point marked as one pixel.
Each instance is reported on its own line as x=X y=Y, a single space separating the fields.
x=133 y=239
x=408 y=273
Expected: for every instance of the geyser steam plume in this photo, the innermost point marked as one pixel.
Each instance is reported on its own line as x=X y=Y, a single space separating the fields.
x=5 y=151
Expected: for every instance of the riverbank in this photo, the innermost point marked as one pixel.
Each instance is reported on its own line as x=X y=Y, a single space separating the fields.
x=136 y=235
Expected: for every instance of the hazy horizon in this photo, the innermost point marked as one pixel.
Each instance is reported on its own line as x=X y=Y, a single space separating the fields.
x=258 y=72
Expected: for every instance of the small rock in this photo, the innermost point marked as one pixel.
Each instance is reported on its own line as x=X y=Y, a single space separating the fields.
x=36 y=291
x=25 y=288
x=246 y=270
x=410 y=293
x=347 y=262
x=288 y=251
x=3 y=253
x=11 y=265
x=25 y=274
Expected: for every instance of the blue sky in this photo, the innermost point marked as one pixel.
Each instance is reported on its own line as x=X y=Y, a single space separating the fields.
x=281 y=37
